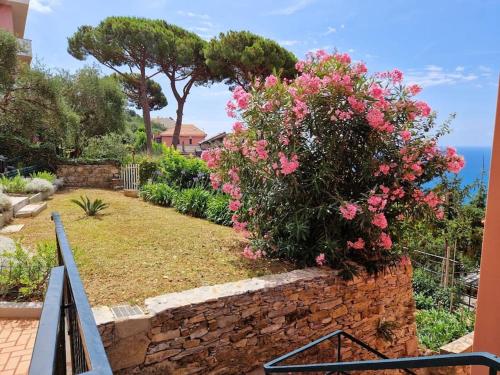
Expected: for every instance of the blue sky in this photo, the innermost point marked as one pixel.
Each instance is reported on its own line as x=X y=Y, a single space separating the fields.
x=451 y=48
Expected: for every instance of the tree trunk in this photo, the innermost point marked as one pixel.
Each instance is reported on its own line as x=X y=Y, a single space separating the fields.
x=143 y=99
x=178 y=122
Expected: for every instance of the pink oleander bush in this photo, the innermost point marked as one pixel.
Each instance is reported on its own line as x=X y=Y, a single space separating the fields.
x=323 y=169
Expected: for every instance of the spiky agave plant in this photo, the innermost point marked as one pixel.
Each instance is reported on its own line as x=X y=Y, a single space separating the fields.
x=91 y=208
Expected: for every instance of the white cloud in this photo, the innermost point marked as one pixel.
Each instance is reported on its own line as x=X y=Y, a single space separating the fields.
x=459 y=68
x=288 y=43
x=330 y=30
x=193 y=15
x=433 y=75
x=44 y=6
x=295 y=6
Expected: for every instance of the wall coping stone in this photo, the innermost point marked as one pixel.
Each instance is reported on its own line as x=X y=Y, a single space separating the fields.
x=460 y=345
x=203 y=294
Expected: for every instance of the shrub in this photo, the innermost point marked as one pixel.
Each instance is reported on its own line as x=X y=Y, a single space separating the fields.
x=437 y=327
x=39 y=185
x=158 y=193
x=322 y=168
x=5 y=204
x=192 y=201
x=25 y=275
x=218 y=210
x=182 y=172
x=45 y=175
x=148 y=170
x=429 y=294
x=15 y=185
x=91 y=208
x=109 y=146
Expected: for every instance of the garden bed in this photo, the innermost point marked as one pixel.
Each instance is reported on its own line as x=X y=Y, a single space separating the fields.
x=137 y=250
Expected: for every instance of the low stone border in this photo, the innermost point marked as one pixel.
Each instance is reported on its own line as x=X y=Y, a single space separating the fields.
x=234 y=328
x=460 y=345
x=20 y=310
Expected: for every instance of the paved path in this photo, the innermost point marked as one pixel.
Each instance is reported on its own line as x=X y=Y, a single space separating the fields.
x=17 y=338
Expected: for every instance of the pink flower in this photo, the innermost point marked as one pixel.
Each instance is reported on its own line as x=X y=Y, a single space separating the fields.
x=396 y=76
x=227 y=188
x=270 y=81
x=349 y=211
x=375 y=118
x=215 y=180
x=414 y=89
x=456 y=164
x=451 y=151
x=360 y=68
x=238 y=127
x=260 y=148
x=288 y=166
x=358 y=245
x=384 y=189
x=233 y=174
x=384 y=169
x=234 y=205
x=253 y=255
x=379 y=220
x=405 y=135
x=376 y=203
x=423 y=109
x=242 y=97
x=357 y=105
x=384 y=241
x=376 y=91
x=299 y=65
x=300 y=109
x=230 y=109
x=432 y=199
x=439 y=214
x=320 y=260
x=211 y=157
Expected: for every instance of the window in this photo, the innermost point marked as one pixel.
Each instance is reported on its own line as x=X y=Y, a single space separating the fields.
x=190 y=141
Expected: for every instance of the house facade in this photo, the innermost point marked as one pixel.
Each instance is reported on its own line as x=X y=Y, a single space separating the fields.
x=13 y=14
x=189 y=140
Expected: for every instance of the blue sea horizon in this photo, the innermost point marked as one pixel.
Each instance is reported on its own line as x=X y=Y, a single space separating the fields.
x=477 y=162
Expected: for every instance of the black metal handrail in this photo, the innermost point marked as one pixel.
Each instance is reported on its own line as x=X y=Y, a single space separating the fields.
x=448 y=360
x=66 y=309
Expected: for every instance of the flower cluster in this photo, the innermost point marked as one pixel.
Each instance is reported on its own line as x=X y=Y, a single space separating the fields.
x=322 y=168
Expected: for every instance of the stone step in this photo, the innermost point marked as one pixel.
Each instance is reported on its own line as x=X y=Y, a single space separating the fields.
x=18 y=202
x=13 y=228
x=31 y=210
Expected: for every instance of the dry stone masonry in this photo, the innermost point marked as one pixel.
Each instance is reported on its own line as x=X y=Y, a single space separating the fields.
x=234 y=328
x=89 y=175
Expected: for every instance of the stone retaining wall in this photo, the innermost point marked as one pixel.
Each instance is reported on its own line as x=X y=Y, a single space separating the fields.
x=88 y=175
x=234 y=328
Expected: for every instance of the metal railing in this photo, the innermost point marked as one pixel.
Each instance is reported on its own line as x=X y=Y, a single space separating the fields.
x=67 y=323
x=383 y=363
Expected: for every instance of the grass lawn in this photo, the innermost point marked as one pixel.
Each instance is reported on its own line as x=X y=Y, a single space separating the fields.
x=137 y=250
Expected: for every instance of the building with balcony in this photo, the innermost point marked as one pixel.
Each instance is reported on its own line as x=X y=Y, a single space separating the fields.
x=13 y=14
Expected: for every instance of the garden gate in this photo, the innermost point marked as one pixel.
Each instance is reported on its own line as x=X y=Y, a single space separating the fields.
x=130 y=176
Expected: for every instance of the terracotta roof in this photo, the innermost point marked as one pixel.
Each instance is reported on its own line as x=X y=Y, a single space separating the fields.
x=216 y=137
x=186 y=131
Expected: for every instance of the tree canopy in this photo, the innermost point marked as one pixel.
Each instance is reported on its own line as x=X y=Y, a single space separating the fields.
x=238 y=57
x=130 y=84
x=127 y=46
x=8 y=60
x=97 y=101
x=180 y=54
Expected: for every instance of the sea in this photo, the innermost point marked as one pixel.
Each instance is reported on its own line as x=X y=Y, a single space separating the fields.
x=477 y=164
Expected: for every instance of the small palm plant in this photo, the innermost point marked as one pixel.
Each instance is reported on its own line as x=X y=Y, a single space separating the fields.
x=91 y=208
